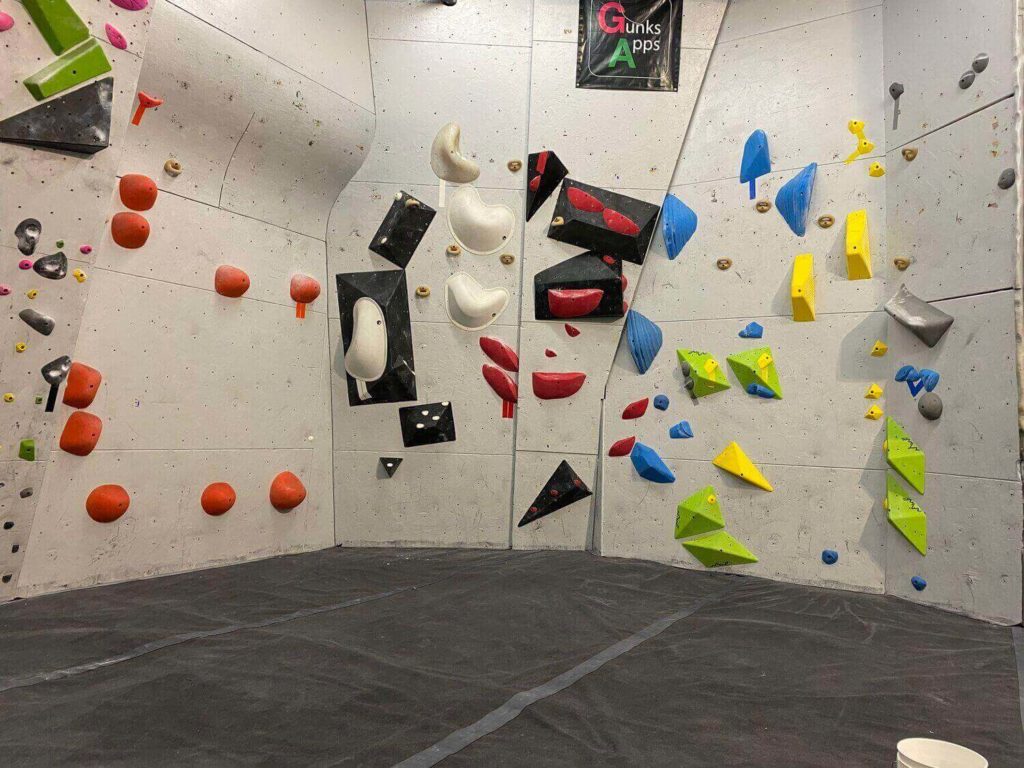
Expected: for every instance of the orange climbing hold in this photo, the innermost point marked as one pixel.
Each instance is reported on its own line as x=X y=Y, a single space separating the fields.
x=230 y=281
x=82 y=384
x=286 y=492
x=218 y=498
x=138 y=192
x=304 y=290
x=129 y=230
x=145 y=102
x=106 y=503
x=81 y=433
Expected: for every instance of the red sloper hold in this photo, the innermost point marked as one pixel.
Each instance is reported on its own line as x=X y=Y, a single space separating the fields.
x=622 y=447
x=230 y=281
x=304 y=289
x=501 y=383
x=82 y=385
x=553 y=386
x=573 y=302
x=217 y=499
x=106 y=503
x=500 y=352
x=287 y=492
x=572 y=330
x=636 y=410
x=584 y=201
x=616 y=222
x=129 y=230
x=137 y=191
x=81 y=433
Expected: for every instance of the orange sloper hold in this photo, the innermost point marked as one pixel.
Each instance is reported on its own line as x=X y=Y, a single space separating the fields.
x=217 y=498
x=106 y=503
x=138 y=192
x=286 y=492
x=304 y=289
x=230 y=281
x=82 y=384
x=129 y=230
x=81 y=433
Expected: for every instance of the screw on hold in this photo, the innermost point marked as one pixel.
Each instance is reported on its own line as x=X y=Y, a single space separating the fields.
x=909 y=153
x=901 y=263
x=453 y=250
x=1007 y=178
x=980 y=63
x=896 y=90
x=825 y=221
x=412 y=202
x=558 y=221
x=723 y=263
x=423 y=291
x=829 y=557
x=763 y=206
x=507 y=258
x=172 y=167
x=515 y=165
x=967 y=79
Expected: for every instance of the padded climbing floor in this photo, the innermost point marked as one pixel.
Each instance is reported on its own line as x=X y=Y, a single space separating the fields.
x=378 y=657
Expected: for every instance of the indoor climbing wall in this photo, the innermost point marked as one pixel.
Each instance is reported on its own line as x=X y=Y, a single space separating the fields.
x=203 y=315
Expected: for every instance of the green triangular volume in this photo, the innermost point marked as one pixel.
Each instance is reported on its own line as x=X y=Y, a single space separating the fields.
x=703 y=373
x=748 y=369
x=905 y=514
x=717 y=549
x=903 y=455
x=699 y=513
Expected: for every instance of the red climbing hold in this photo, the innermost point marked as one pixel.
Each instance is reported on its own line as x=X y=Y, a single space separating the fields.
x=535 y=183
x=137 y=191
x=625 y=282
x=636 y=410
x=304 y=290
x=217 y=498
x=501 y=383
x=573 y=302
x=287 y=492
x=622 y=447
x=145 y=102
x=230 y=281
x=550 y=353
x=553 y=386
x=572 y=330
x=81 y=433
x=82 y=384
x=106 y=503
x=616 y=222
x=500 y=352
x=542 y=160
x=584 y=201
x=129 y=230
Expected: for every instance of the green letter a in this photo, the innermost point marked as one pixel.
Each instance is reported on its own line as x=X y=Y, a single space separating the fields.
x=622 y=52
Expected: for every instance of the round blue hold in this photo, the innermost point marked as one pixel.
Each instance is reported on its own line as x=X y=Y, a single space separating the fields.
x=661 y=402
x=918 y=583
x=829 y=556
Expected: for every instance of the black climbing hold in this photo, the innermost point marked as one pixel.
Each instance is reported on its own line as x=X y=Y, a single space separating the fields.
x=52 y=267
x=1007 y=178
x=895 y=89
x=603 y=221
x=427 y=423
x=577 y=274
x=390 y=464
x=78 y=122
x=544 y=173
x=25 y=493
x=980 y=63
x=28 y=232
x=563 y=488
x=930 y=406
x=38 y=321
x=967 y=79
x=402 y=229
x=55 y=371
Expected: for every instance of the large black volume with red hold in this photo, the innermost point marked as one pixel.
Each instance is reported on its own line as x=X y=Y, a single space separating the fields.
x=545 y=173
x=562 y=489
x=588 y=285
x=603 y=221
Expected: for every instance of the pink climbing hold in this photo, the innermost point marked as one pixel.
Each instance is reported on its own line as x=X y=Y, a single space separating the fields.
x=636 y=410
x=115 y=37
x=572 y=330
x=5 y=290
x=25 y=264
x=85 y=249
x=131 y=5
x=6 y=21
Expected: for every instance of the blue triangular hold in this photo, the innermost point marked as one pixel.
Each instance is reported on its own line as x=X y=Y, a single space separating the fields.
x=678 y=223
x=752 y=331
x=644 y=339
x=680 y=430
x=756 y=161
x=794 y=199
x=649 y=465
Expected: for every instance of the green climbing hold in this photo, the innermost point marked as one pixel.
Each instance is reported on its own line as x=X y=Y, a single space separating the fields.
x=704 y=376
x=903 y=455
x=756 y=366
x=76 y=66
x=717 y=549
x=58 y=23
x=699 y=514
x=27 y=450
x=905 y=514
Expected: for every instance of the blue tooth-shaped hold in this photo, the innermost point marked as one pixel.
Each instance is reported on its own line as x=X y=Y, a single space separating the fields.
x=907 y=373
x=649 y=465
x=681 y=430
x=644 y=339
x=752 y=331
x=756 y=161
x=678 y=223
x=761 y=391
x=794 y=199
x=930 y=378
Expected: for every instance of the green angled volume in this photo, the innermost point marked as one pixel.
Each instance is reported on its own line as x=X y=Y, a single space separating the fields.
x=903 y=455
x=718 y=549
x=904 y=513
x=756 y=366
x=704 y=376
x=58 y=23
x=699 y=513
x=76 y=66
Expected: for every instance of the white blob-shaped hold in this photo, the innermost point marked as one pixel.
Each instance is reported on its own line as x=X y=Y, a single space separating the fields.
x=367 y=356
x=475 y=225
x=446 y=159
x=469 y=305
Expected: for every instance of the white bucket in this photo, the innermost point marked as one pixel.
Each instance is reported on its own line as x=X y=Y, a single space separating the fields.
x=932 y=753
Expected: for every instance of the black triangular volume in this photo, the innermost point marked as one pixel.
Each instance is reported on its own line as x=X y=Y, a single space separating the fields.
x=603 y=221
x=390 y=464
x=545 y=173
x=563 y=488
x=77 y=122
x=402 y=229
x=588 y=285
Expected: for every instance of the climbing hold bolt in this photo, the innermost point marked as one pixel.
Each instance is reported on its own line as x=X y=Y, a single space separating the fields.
x=901 y=263
x=930 y=406
x=980 y=63
x=723 y=263
x=825 y=221
x=423 y=291
x=21 y=346
x=829 y=556
x=909 y=153
x=918 y=583
x=507 y=258
x=763 y=206
x=8 y=397
x=966 y=79
x=1007 y=178
x=876 y=170
x=32 y=293
x=515 y=165
x=173 y=168
x=453 y=250
x=145 y=102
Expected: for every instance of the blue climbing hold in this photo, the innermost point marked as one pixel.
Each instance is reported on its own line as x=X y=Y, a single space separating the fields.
x=794 y=199
x=649 y=465
x=918 y=583
x=907 y=373
x=752 y=331
x=915 y=386
x=678 y=223
x=681 y=430
x=761 y=391
x=930 y=378
x=661 y=402
x=644 y=339
x=756 y=161
x=829 y=556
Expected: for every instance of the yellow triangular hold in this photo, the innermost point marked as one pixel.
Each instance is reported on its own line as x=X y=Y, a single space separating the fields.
x=879 y=349
x=735 y=461
x=876 y=170
x=874 y=413
x=858 y=246
x=874 y=392
x=801 y=289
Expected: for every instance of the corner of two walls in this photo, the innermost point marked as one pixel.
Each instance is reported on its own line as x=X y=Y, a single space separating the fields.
x=269 y=122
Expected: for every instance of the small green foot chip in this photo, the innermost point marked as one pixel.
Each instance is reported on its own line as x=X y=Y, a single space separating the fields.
x=903 y=455
x=717 y=549
x=76 y=66
x=904 y=513
x=699 y=513
x=27 y=450
x=756 y=366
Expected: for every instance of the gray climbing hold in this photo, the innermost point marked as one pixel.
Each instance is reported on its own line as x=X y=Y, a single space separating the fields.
x=37 y=321
x=55 y=371
x=28 y=233
x=1007 y=178
x=980 y=63
x=896 y=90
x=967 y=79
x=919 y=317
x=52 y=267
x=930 y=406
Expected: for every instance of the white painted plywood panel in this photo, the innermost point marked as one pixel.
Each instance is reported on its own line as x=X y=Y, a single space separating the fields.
x=558 y=21
x=811 y=509
x=434 y=499
x=745 y=18
x=495 y=22
x=567 y=528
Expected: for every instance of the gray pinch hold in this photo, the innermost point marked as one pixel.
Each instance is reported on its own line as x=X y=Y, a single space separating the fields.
x=926 y=322
x=37 y=321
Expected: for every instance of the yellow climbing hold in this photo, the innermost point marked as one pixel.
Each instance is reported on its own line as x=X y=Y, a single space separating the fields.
x=874 y=413
x=864 y=146
x=9 y=397
x=79 y=275
x=879 y=349
x=801 y=288
x=735 y=461
x=874 y=392
x=32 y=293
x=858 y=247
x=876 y=170
x=21 y=346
